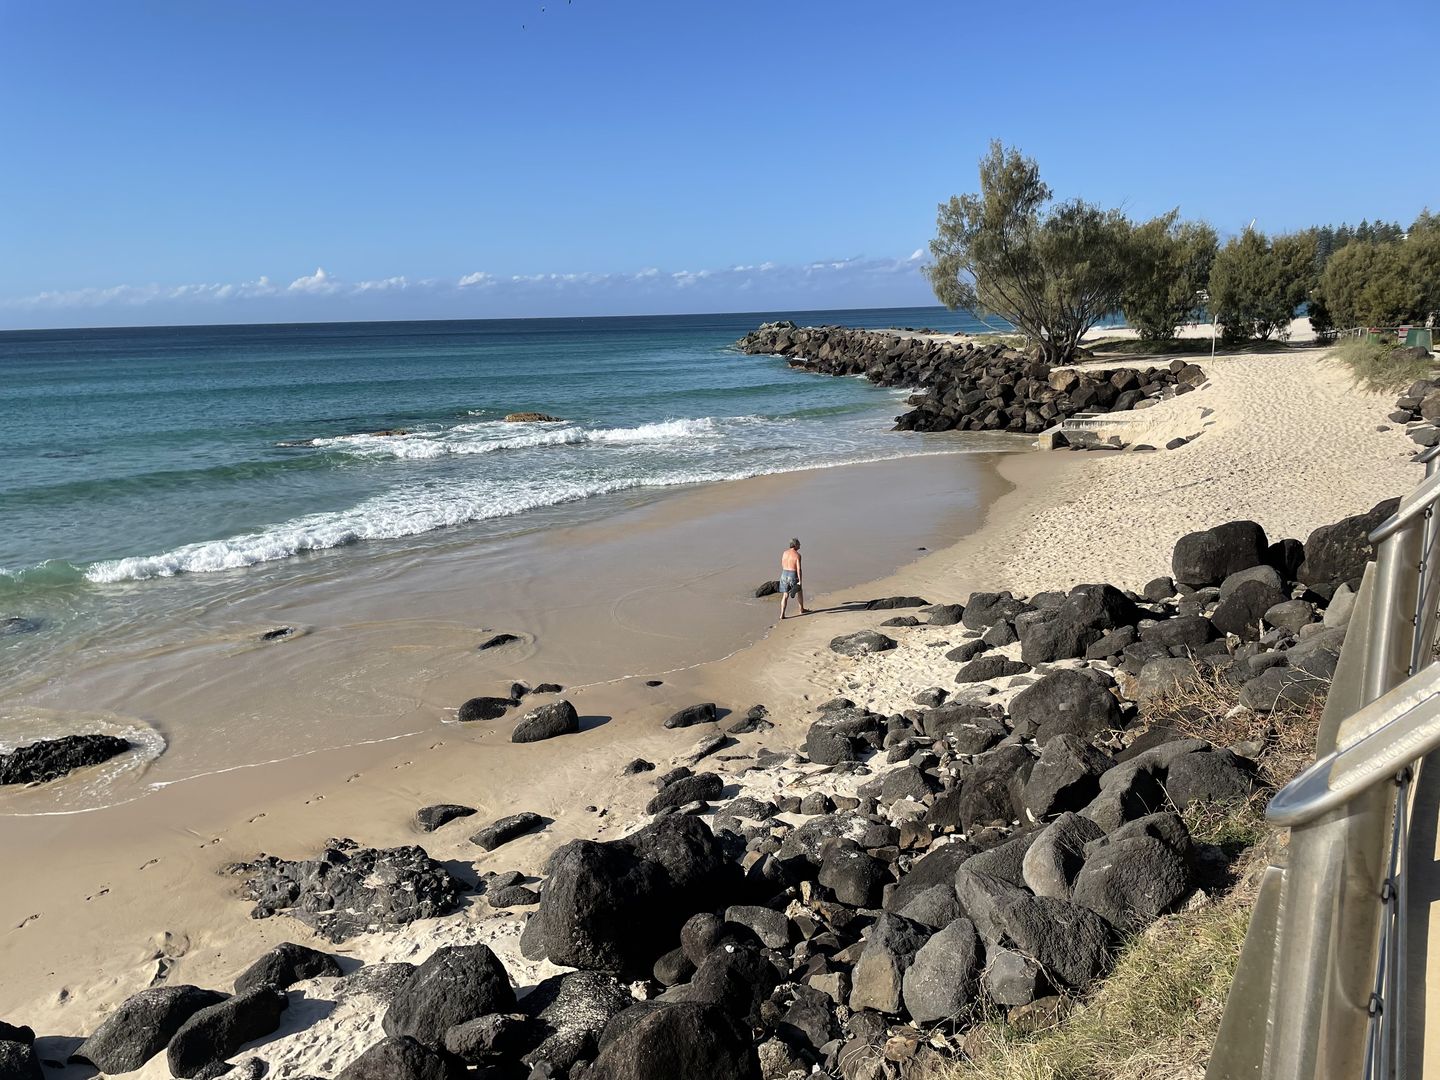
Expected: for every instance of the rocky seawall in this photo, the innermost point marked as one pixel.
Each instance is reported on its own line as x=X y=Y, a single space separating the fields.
x=966 y=386
x=846 y=908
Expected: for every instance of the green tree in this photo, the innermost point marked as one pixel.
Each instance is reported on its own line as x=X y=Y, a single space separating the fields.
x=1170 y=264
x=1256 y=284
x=1052 y=270
x=1385 y=284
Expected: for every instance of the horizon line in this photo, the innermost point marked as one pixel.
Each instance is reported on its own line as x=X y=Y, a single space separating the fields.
x=493 y=318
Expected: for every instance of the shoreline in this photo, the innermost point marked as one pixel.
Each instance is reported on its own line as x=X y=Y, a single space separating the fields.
x=110 y=883
x=1060 y=518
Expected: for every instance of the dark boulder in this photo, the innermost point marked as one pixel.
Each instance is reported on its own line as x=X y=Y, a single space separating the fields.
x=18 y=1061
x=854 y=876
x=735 y=977
x=1180 y=632
x=670 y=1041
x=1069 y=942
x=1066 y=777
x=704 y=713
x=284 y=965
x=215 y=1032
x=943 y=979
x=1059 y=636
x=984 y=610
x=945 y=614
x=890 y=602
x=430 y=818
x=616 y=906
x=546 y=722
x=1209 y=556
x=969 y=729
x=1064 y=702
x=1055 y=858
x=49 y=759
x=1206 y=777
x=992 y=789
x=1339 y=552
x=506 y=829
x=937 y=867
x=351 y=890
x=396 y=1059
x=1241 y=611
x=457 y=983
x=985 y=668
x=862 y=643
x=142 y=1026
x=876 y=981
x=1131 y=882
x=844 y=735
x=702 y=787
x=483 y=708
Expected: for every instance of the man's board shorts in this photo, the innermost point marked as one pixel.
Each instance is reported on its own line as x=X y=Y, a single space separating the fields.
x=789 y=582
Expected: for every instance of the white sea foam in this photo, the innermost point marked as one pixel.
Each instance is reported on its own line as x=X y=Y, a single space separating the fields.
x=411 y=511
x=491 y=436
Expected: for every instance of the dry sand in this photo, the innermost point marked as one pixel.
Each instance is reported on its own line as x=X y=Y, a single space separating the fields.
x=1284 y=439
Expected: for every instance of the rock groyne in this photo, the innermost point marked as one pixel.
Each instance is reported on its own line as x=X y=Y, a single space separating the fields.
x=967 y=385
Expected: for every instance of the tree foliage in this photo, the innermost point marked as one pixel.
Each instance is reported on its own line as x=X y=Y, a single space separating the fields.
x=1257 y=284
x=1170 y=263
x=1385 y=282
x=1053 y=270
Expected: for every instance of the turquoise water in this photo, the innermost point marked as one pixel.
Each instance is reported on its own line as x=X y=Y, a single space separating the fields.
x=138 y=454
x=169 y=492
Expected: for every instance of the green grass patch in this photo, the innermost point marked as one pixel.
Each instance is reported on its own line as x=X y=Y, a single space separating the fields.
x=1380 y=367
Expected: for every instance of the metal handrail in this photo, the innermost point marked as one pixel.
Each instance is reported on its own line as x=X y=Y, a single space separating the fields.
x=1319 y=991
x=1400 y=728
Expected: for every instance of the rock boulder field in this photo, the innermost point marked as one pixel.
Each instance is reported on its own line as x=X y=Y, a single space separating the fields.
x=861 y=898
x=967 y=386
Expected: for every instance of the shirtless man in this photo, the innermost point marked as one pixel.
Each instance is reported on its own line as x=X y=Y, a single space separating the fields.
x=792 y=578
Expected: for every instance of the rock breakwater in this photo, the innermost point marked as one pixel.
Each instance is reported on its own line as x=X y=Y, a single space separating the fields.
x=967 y=385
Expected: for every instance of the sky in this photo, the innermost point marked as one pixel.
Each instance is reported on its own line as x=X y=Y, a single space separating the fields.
x=195 y=161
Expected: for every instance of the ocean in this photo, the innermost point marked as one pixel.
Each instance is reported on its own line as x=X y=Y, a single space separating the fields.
x=157 y=476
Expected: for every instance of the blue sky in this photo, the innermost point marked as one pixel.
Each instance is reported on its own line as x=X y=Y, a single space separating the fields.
x=197 y=161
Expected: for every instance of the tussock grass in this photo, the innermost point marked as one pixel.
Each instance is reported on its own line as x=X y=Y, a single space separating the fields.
x=1376 y=368
x=1155 y=1017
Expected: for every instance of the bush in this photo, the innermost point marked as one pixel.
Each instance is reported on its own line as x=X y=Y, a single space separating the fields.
x=1381 y=368
x=1256 y=284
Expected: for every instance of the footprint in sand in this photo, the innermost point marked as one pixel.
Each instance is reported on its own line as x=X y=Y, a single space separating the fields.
x=314 y=798
x=403 y=764
x=210 y=843
x=352 y=778
x=436 y=746
x=26 y=921
x=96 y=895
x=256 y=818
x=152 y=862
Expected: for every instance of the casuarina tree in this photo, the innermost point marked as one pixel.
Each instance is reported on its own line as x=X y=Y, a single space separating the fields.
x=1170 y=264
x=1053 y=270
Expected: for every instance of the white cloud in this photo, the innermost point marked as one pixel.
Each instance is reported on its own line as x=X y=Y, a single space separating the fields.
x=318 y=282
x=819 y=281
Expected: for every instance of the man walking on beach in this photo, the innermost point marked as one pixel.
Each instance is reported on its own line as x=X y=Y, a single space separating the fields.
x=791 y=578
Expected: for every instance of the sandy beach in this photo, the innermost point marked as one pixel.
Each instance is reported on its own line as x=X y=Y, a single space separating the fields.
x=122 y=898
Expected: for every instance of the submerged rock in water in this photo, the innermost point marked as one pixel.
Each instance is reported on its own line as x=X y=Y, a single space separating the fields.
x=17 y=624
x=351 y=890
x=496 y=640
x=50 y=759
x=532 y=418
x=278 y=634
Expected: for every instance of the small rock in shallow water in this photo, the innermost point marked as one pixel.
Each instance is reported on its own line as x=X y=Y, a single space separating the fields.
x=496 y=640
x=483 y=708
x=277 y=634
x=18 y=625
x=50 y=759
